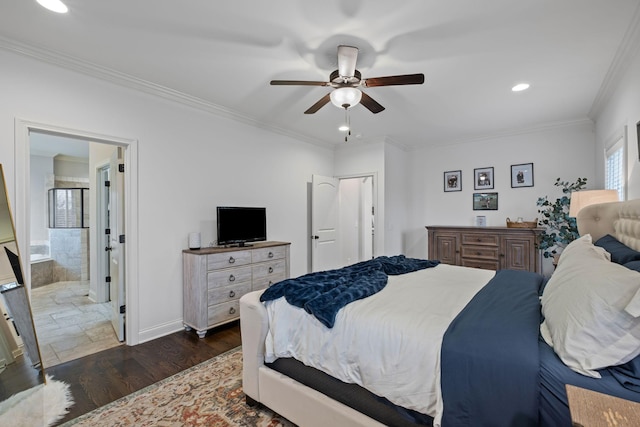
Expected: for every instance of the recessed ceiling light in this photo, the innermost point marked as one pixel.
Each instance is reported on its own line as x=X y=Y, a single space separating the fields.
x=520 y=87
x=54 y=5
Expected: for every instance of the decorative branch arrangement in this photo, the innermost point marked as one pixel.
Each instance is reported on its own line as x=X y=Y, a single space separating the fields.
x=560 y=228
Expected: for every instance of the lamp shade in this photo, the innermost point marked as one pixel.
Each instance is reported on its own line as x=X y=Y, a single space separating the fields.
x=581 y=199
x=345 y=97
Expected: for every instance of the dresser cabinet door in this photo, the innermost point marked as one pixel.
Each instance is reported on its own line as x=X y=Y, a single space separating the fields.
x=518 y=253
x=446 y=248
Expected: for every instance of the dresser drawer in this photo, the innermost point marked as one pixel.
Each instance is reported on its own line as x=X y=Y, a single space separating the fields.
x=480 y=239
x=265 y=282
x=228 y=259
x=267 y=269
x=223 y=312
x=228 y=276
x=484 y=252
x=477 y=263
x=266 y=254
x=227 y=293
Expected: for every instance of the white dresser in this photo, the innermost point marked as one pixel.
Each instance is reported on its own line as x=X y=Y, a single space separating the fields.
x=215 y=278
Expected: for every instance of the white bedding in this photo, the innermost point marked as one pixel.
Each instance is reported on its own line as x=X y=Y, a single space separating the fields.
x=388 y=343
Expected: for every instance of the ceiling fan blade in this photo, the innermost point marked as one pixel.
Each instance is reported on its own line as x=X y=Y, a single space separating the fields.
x=318 y=105
x=347 y=57
x=371 y=104
x=298 y=83
x=406 y=79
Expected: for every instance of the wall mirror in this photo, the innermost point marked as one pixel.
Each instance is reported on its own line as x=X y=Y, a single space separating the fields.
x=20 y=359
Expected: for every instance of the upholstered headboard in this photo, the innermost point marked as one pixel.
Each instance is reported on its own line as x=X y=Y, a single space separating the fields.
x=620 y=219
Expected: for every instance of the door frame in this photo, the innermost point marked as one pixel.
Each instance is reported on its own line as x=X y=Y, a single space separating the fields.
x=23 y=208
x=101 y=293
x=377 y=214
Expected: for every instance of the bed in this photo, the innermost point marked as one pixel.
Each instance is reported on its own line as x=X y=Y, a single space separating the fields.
x=493 y=348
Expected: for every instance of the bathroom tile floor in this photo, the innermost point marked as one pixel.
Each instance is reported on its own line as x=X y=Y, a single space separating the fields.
x=68 y=324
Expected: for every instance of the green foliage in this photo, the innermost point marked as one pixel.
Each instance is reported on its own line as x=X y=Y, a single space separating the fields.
x=559 y=228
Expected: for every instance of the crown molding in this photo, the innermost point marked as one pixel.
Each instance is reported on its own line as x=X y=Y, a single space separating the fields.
x=121 y=79
x=515 y=132
x=625 y=54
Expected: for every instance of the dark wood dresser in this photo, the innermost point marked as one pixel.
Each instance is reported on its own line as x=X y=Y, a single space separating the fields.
x=491 y=248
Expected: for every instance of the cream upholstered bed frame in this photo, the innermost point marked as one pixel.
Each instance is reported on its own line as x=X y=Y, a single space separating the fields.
x=620 y=219
x=298 y=403
x=308 y=407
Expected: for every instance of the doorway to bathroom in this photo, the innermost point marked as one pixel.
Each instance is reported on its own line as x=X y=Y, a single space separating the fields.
x=71 y=304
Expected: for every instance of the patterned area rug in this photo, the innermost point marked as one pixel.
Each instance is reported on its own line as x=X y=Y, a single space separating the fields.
x=209 y=394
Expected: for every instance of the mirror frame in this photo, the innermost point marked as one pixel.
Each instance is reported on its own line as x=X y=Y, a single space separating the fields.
x=16 y=294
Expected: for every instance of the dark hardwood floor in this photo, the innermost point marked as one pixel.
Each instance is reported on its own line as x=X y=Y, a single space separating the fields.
x=106 y=376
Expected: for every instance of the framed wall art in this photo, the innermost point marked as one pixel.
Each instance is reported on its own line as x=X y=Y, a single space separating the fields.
x=485 y=201
x=522 y=175
x=453 y=181
x=483 y=179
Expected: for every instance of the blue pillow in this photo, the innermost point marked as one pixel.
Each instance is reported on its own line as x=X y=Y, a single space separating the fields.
x=628 y=374
x=633 y=265
x=620 y=253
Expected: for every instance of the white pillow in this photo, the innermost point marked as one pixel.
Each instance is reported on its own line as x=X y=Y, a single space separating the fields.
x=590 y=308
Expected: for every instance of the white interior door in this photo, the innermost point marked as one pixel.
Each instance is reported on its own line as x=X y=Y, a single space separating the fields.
x=116 y=243
x=325 y=250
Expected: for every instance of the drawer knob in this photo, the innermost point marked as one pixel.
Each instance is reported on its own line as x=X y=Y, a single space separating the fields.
x=232 y=278
x=232 y=310
x=231 y=260
x=478 y=253
x=270 y=269
x=270 y=255
x=270 y=283
x=232 y=294
x=479 y=239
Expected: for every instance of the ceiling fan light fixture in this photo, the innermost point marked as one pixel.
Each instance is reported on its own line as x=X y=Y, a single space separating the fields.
x=520 y=87
x=54 y=5
x=343 y=127
x=345 y=97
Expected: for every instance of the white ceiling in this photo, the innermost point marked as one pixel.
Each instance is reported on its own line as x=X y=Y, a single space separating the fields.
x=222 y=55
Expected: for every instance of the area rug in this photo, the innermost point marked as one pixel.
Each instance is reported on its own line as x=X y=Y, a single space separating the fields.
x=38 y=406
x=209 y=394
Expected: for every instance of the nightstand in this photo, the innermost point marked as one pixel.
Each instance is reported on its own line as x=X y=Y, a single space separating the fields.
x=592 y=409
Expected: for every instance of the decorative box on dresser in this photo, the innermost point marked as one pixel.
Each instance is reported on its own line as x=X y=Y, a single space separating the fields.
x=491 y=248
x=215 y=278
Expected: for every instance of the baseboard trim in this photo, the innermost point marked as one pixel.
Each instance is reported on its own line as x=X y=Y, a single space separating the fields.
x=160 y=330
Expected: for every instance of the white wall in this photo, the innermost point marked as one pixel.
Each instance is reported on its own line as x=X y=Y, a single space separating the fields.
x=188 y=163
x=41 y=180
x=396 y=196
x=565 y=152
x=622 y=109
x=366 y=158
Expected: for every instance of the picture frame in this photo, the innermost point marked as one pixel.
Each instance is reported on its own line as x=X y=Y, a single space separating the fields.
x=522 y=175
x=453 y=181
x=483 y=179
x=485 y=201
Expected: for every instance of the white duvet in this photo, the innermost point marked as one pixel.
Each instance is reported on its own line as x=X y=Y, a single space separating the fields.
x=388 y=343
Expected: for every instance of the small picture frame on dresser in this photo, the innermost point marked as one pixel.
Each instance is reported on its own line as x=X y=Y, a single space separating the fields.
x=453 y=181
x=485 y=201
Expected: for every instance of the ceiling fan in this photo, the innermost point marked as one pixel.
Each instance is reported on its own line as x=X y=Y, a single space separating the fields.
x=346 y=81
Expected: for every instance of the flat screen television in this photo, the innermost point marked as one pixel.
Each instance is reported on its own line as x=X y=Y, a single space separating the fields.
x=238 y=225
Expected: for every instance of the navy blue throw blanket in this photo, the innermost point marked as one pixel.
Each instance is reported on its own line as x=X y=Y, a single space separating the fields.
x=489 y=358
x=324 y=293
